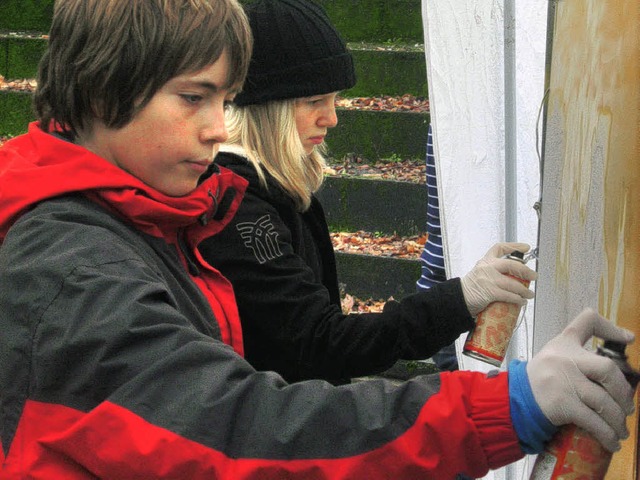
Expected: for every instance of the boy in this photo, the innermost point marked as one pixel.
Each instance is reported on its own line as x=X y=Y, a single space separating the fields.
x=117 y=349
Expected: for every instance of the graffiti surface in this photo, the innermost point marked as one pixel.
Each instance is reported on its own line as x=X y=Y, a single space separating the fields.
x=590 y=225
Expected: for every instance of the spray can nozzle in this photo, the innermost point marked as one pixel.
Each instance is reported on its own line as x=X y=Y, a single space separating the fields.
x=521 y=256
x=616 y=351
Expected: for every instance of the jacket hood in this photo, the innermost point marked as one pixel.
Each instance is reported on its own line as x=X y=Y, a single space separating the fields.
x=38 y=166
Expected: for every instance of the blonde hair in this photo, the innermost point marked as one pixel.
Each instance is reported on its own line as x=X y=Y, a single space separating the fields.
x=268 y=134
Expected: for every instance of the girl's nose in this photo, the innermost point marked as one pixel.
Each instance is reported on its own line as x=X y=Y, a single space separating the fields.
x=329 y=118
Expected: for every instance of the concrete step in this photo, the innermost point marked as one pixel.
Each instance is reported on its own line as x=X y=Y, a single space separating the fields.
x=367 y=134
x=379 y=134
x=376 y=20
x=26 y=15
x=357 y=20
x=386 y=208
x=383 y=206
x=380 y=70
x=373 y=266
x=15 y=112
x=383 y=70
x=20 y=54
x=405 y=369
x=370 y=276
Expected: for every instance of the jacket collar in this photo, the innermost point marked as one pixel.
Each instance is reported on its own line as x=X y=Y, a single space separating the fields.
x=37 y=166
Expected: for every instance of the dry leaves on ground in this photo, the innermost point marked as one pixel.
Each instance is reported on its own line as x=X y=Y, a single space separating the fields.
x=368 y=243
x=24 y=35
x=413 y=171
x=352 y=304
x=404 y=103
x=22 y=85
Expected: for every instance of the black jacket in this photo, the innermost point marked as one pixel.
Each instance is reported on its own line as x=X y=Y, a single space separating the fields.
x=282 y=267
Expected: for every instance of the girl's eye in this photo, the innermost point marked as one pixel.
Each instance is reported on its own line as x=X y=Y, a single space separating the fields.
x=310 y=100
x=191 y=98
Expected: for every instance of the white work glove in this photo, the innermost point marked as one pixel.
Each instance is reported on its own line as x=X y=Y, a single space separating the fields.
x=574 y=385
x=489 y=282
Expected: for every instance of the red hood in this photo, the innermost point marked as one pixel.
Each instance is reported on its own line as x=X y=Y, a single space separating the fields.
x=38 y=166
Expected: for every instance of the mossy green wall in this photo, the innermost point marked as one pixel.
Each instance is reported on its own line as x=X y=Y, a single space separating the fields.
x=19 y=56
x=378 y=72
x=388 y=73
x=357 y=20
x=377 y=20
x=353 y=203
x=368 y=276
x=26 y=15
x=15 y=113
x=379 y=134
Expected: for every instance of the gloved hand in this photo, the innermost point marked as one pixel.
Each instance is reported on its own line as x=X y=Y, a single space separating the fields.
x=489 y=282
x=574 y=385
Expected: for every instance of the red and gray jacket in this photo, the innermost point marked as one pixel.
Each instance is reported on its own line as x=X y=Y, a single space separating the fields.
x=119 y=353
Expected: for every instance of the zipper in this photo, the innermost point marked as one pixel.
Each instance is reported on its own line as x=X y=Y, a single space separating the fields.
x=189 y=258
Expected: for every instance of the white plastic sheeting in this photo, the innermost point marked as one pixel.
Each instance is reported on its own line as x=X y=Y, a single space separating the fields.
x=465 y=52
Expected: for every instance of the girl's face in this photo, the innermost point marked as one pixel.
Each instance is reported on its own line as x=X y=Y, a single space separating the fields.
x=314 y=117
x=170 y=143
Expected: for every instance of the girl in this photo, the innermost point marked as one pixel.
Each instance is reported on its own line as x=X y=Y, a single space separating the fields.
x=277 y=251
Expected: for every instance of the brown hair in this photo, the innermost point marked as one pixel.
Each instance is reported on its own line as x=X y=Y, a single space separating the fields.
x=107 y=58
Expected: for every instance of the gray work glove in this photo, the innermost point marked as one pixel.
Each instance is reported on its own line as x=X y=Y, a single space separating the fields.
x=488 y=280
x=574 y=385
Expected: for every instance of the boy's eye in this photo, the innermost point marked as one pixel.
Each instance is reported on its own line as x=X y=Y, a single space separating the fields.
x=191 y=98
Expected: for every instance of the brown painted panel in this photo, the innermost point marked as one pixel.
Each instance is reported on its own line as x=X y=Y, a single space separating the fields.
x=590 y=225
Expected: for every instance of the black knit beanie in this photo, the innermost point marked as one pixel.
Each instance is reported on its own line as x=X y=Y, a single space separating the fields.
x=297 y=53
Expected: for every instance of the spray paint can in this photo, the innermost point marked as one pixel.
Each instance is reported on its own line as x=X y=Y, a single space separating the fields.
x=490 y=337
x=573 y=453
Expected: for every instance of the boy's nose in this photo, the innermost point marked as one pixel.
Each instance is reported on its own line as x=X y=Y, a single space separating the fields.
x=215 y=131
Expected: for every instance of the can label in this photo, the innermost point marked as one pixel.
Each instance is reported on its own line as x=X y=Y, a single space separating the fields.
x=572 y=454
x=489 y=339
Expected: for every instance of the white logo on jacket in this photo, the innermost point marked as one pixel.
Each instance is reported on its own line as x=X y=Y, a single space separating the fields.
x=260 y=236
